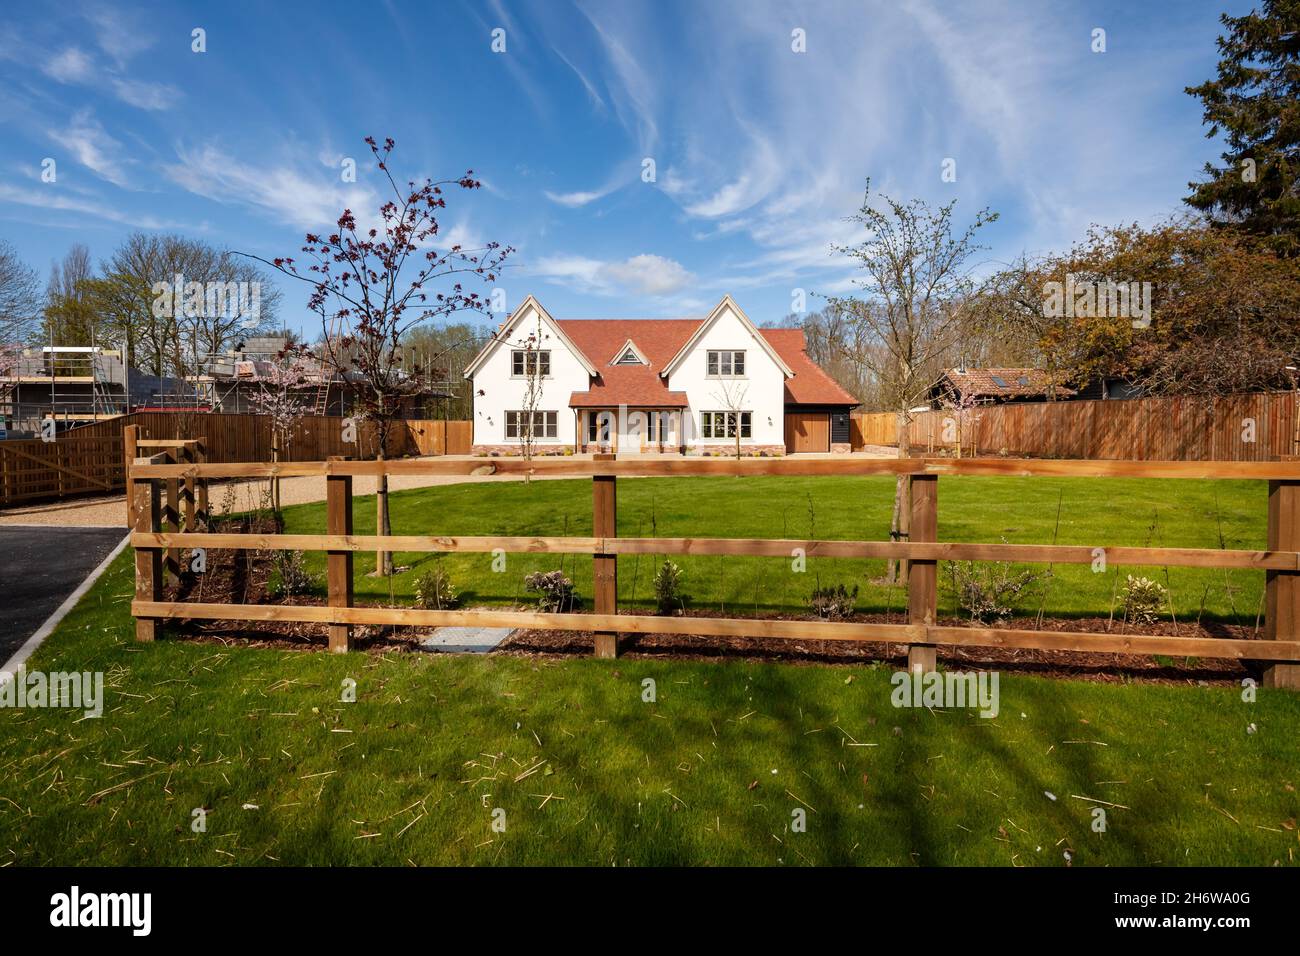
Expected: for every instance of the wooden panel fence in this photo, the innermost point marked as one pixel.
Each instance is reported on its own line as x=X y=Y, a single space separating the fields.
x=31 y=469
x=1279 y=650
x=1247 y=427
x=88 y=459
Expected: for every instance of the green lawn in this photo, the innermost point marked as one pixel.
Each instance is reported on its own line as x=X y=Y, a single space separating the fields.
x=587 y=772
x=1092 y=512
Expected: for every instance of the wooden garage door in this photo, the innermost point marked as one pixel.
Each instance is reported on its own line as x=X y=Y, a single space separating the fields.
x=807 y=431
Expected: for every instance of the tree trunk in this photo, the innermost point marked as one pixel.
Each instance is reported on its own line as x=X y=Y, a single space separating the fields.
x=383 y=559
x=275 y=479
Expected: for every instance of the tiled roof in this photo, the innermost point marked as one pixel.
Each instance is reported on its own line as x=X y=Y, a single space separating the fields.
x=602 y=341
x=659 y=340
x=1002 y=382
x=810 y=385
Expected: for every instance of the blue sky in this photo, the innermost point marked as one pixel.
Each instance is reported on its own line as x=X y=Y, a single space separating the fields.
x=759 y=152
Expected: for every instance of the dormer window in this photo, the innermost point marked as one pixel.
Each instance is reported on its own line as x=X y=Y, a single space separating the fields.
x=629 y=354
x=726 y=364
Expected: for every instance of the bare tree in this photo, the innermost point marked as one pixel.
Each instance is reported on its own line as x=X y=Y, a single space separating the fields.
x=20 y=298
x=70 y=315
x=535 y=371
x=916 y=286
x=732 y=395
x=168 y=328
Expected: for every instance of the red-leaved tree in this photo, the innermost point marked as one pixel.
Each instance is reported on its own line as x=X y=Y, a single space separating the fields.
x=373 y=282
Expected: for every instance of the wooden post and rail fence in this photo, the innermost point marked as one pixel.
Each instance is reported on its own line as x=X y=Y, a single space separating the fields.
x=154 y=537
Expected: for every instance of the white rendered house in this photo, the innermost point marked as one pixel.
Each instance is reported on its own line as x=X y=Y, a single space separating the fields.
x=637 y=386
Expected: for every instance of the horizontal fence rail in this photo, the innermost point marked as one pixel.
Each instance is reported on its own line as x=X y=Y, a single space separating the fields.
x=752 y=547
x=157 y=539
x=910 y=634
x=668 y=467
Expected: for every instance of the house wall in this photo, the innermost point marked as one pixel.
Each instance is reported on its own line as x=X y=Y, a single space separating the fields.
x=501 y=392
x=761 y=391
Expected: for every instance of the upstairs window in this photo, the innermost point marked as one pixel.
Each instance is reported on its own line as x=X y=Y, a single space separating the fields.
x=525 y=364
x=726 y=364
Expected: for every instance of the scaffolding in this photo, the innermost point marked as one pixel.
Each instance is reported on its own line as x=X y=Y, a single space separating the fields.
x=71 y=384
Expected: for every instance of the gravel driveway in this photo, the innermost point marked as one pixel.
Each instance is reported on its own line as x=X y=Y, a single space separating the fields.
x=110 y=510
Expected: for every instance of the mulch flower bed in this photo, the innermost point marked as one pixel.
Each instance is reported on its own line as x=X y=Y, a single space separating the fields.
x=243 y=577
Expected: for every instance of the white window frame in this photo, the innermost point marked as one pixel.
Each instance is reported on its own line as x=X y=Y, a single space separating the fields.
x=519 y=358
x=722 y=363
x=718 y=426
x=545 y=424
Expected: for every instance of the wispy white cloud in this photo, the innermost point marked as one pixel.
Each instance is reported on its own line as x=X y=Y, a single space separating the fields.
x=300 y=195
x=634 y=93
x=52 y=197
x=91 y=146
x=775 y=146
x=73 y=65
x=119 y=33
x=459 y=234
x=145 y=95
x=644 y=275
x=70 y=65
x=581 y=198
x=587 y=85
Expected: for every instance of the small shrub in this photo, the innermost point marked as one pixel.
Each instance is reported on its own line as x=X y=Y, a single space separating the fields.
x=833 y=603
x=1143 y=599
x=554 y=591
x=290 y=575
x=434 y=591
x=669 y=598
x=988 y=591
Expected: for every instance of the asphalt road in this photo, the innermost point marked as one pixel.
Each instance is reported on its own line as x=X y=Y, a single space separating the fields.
x=39 y=568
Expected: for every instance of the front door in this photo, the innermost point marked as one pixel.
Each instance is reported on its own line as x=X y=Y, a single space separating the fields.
x=633 y=433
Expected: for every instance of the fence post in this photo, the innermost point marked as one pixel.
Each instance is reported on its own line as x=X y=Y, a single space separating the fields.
x=148 y=561
x=201 y=456
x=604 y=524
x=923 y=575
x=1282 y=588
x=130 y=439
x=189 y=491
x=172 y=515
x=338 y=520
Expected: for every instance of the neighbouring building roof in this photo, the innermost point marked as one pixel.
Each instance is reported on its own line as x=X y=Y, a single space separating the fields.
x=1001 y=383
